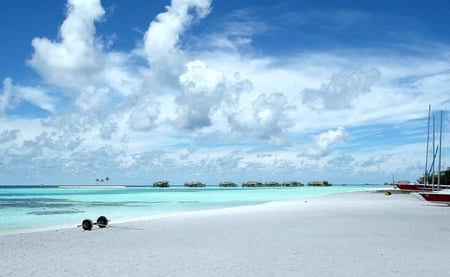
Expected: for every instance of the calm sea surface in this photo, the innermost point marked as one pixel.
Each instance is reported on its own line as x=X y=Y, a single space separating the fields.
x=24 y=208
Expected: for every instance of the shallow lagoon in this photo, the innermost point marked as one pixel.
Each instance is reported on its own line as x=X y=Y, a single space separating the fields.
x=26 y=208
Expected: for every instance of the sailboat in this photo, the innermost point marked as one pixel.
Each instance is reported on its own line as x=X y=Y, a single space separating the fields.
x=439 y=196
x=415 y=187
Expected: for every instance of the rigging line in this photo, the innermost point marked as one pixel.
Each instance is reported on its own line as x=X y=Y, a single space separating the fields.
x=434 y=158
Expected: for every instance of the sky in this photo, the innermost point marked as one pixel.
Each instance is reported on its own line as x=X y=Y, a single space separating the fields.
x=202 y=90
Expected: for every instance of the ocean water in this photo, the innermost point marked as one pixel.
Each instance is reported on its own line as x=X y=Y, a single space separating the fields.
x=28 y=208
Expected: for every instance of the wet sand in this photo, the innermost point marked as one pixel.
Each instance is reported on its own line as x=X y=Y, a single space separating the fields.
x=350 y=234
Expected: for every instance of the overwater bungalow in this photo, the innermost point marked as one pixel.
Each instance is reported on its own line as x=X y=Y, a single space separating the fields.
x=227 y=184
x=319 y=184
x=161 y=184
x=292 y=184
x=272 y=184
x=194 y=184
x=252 y=184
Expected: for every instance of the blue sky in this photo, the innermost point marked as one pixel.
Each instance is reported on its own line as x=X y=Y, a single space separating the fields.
x=205 y=90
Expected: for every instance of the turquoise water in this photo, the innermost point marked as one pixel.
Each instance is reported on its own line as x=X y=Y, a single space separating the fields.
x=23 y=208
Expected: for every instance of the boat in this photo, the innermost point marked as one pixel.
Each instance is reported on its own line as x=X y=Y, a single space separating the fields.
x=405 y=185
x=427 y=185
x=439 y=197
x=442 y=195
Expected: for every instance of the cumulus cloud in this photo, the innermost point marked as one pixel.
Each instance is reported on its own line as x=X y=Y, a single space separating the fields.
x=144 y=116
x=325 y=142
x=205 y=91
x=199 y=78
x=203 y=87
x=121 y=74
x=92 y=98
x=266 y=119
x=78 y=54
x=161 y=41
x=341 y=90
x=8 y=135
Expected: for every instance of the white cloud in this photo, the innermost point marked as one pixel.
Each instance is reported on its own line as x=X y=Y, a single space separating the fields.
x=266 y=119
x=144 y=116
x=108 y=130
x=91 y=98
x=13 y=95
x=78 y=54
x=207 y=95
x=342 y=90
x=161 y=41
x=8 y=135
x=235 y=33
x=5 y=95
x=325 y=142
x=202 y=89
x=37 y=97
x=121 y=74
x=198 y=78
x=127 y=162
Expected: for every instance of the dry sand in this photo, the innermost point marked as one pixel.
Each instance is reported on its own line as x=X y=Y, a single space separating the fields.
x=351 y=234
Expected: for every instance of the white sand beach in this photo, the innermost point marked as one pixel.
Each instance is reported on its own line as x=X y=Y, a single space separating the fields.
x=350 y=234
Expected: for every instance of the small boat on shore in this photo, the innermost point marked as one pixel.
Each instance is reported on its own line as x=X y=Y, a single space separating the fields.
x=439 y=197
x=440 y=194
x=405 y=185
x=431 y=181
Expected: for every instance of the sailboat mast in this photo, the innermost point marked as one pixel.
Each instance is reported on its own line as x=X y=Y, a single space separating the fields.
x=432 y=171
x=425 y=179
x=440 y=152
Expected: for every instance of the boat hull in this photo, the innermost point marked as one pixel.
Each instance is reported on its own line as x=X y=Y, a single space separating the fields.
x=421 y=187
x=436 y=197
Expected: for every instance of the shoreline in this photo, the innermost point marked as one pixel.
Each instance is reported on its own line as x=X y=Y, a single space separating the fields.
x=346 y=234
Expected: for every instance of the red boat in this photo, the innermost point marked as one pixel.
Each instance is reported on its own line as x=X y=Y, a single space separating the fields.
x=440 y=197
x=419 y=187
